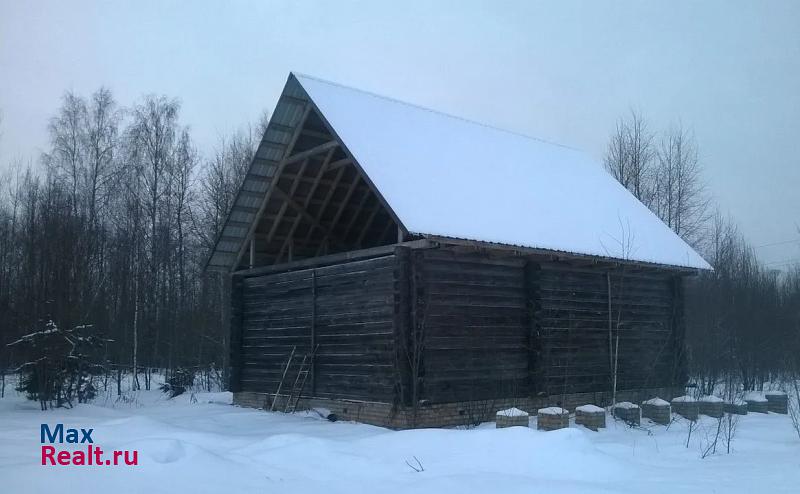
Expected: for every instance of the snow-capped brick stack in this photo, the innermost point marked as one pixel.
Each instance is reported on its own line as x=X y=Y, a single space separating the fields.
x=686 y=406
x=657 y=410
x=511 y=417
x=713 y=406
x=756 y=402
x=737 y=407
x=627 y=411
x=590 y=416
x=552 y=418
x=777 y=402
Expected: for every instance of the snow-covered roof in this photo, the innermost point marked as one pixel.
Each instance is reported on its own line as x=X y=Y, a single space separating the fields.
x=436 y=176
x=450 y=177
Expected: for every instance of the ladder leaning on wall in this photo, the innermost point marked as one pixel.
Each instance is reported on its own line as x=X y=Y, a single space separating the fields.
x=300 y=381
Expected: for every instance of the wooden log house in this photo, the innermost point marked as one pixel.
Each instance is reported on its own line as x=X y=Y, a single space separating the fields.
x=439 y=270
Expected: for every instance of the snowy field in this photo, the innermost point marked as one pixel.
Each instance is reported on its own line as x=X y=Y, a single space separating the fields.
x=207 y=445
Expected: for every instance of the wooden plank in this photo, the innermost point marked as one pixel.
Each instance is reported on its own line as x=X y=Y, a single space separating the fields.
x=323 y=168
x=339 y=211
x=268 y=194
x=331 y=259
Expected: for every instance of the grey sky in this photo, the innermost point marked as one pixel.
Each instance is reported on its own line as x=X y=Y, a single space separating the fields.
x=562 y=71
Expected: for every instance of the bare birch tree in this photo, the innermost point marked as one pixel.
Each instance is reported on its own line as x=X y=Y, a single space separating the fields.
x=630 y=154
x=679 y=195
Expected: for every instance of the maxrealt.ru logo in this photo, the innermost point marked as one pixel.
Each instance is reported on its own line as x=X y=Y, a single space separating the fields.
x=92 y=455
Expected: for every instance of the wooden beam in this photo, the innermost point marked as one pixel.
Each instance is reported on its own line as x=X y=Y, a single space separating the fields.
x=299 y=208
x=386 y=229
x=309 y=152
x=318 y=135
x=359 y=209
x=267 y=195
x=341 y=209
x=353 y=255
x=252 y=252
x=556 y=255
x=322 y=169
x=370 y=219
x=282 y=210
x=358 y=167
x=340 y=163
x=325 y=202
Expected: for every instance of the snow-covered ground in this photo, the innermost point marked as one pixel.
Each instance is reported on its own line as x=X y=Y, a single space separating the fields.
x=208 y=445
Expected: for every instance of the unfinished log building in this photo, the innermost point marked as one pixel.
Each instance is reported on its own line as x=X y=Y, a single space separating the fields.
x=439 y=269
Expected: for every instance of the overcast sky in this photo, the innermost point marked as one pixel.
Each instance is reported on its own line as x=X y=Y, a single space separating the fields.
x=562 y=71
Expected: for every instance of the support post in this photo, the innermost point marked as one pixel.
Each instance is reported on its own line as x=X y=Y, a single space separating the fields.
x=252 y=252
x=233 y=287
x=313 y=333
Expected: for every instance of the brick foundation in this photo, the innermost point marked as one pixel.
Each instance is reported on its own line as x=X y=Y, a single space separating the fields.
x=454 y=414
x=777 y=403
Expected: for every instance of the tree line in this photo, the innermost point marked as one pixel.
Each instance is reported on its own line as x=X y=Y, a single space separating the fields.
x=104 y=237
x=109 y=229
x=742 y=318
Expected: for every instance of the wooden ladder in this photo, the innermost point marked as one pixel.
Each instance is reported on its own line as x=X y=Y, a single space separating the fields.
x=280 y=384
x=300 y=381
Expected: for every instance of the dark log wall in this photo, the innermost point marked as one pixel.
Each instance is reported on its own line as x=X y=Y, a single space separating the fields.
x=441 y=325
x=524 y=327
x=573 y=319
x=346 y=309
x=474 y=317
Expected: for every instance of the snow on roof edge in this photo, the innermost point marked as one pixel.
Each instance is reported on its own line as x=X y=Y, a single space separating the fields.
x=690 y=263
x=556 y=251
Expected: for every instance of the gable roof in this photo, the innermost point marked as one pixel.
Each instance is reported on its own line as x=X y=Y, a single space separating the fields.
x=443 y=176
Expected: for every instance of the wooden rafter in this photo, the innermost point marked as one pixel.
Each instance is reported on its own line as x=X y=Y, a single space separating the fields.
x=341 y=209
x=386 y=229
x=289 y=148
x=325 y=202
x=354 y=218
x=368 y=223
x=284 y=206
x=310 y=152
x=340 y=163
x=301 y=210
x=322 y=169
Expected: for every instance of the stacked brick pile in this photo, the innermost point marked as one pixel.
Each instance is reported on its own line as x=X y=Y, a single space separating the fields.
x=777 y=402
x=552 y=418
x=713 y=406
x=590 y=416
x=756 y=402
x=737 y=407
x=511 y=417
x=657 y=410
x=627 y=411
x=686 y=406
